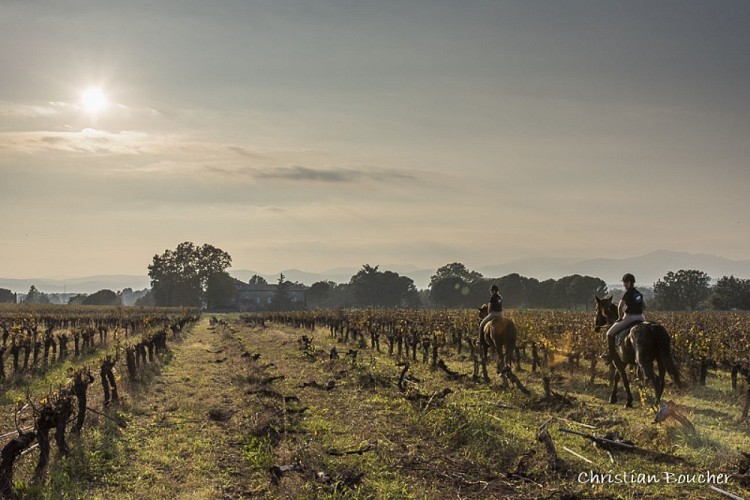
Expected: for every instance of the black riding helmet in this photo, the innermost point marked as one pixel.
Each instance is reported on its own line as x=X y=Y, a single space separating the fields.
x=629 y=278
x=494 y=288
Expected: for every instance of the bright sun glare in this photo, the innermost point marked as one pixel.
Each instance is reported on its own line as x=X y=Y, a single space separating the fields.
x=94 y=100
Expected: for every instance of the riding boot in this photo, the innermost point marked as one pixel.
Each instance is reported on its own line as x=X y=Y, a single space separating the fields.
x=611 y=347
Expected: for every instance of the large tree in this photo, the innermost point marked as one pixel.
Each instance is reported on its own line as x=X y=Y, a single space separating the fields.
x=452 y=286
x=373 y=288
x=180 y=277
x=685 y=289
x=730 y=293
x=221 y=291
x=454 y=270
x=580 y=290
x=319 y=293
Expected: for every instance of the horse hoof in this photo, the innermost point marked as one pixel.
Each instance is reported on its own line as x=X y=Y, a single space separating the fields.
x=613 y=399
x=629 y=404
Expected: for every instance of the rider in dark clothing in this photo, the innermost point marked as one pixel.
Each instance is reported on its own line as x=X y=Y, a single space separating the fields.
x=495 y=309
x=629 y=311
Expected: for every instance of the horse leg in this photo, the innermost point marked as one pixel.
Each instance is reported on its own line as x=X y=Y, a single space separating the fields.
x=662 y=376
x=499 y=351
x=614 y=378
x=620 y=365
x=626 y=384
x=483 y=351
x=648 y=371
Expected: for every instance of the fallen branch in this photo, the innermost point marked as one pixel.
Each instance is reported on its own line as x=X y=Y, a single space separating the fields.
x=508 y=373
x=602 y=442
x=577 y=455
x=451 y=374
x=725 y=493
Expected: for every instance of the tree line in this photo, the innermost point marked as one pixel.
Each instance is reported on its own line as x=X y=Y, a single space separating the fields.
x=196 y=276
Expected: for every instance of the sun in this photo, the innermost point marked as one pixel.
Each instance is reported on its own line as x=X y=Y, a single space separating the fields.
x=94 y=100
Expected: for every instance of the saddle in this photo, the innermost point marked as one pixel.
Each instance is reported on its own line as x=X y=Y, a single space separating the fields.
x=496 y=324
x=621 y=335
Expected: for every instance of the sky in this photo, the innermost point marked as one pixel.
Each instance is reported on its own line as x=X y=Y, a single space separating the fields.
x=318 y=134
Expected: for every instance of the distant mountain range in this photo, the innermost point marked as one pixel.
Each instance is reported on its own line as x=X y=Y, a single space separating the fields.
x=647 y=269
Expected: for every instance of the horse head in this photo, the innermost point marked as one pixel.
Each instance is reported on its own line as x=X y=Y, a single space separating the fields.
x=606 y=312
x=483 y=311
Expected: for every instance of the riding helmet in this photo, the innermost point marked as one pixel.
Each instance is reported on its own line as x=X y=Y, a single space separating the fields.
x=494 y=288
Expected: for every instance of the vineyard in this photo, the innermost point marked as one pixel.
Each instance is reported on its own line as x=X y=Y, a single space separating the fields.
x=363 y=403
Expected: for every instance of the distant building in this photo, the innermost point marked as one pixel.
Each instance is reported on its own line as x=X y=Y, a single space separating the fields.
x=260 y=297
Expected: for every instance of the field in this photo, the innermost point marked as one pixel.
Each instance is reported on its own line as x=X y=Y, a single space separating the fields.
x=357 y=406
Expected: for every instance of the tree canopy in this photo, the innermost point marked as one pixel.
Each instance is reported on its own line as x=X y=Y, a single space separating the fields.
x=685 y=289
x=730 y=293
x=180 y=277
x=373 y=288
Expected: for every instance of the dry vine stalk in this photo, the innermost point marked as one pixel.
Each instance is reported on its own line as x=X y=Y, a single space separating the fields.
x=10 y=453
x=108 y=381
x=81 y=381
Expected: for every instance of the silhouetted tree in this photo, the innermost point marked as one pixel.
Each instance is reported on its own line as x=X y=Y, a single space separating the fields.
x=257 y=280
x=35 y=297
x=281 y=300
x=221 y=291
x=517 y=290
x=730 y=293
x=685 y=289
x=101 y=298
x=580 y=290
x=452 y=286
x=179 y=277
x=371 y=287
x=7 y=297
x=319 y=292
x=454 y=270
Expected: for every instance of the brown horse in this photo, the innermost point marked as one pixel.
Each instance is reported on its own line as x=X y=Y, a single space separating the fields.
x=643 y=344
x=501 y=333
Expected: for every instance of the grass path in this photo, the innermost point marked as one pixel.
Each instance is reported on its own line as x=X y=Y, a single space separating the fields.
x=184 y=427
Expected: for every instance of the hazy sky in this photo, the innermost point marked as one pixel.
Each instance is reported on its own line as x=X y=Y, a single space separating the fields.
x=318 y=134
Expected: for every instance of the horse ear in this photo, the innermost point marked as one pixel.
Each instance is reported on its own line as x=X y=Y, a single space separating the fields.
x=597 y=299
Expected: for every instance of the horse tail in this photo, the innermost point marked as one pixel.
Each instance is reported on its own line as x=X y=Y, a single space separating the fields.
x=663 y=342
x=512 y=333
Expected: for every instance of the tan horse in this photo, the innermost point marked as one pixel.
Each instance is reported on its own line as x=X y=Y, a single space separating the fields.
x=501 y=333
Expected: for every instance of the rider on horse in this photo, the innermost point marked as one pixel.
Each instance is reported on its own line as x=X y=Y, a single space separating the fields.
x=494 y=310
x=629 y=312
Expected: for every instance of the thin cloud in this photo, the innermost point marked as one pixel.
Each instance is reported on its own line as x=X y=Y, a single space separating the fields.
x=16 y=110
x=332 y=175
x=86 y=141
